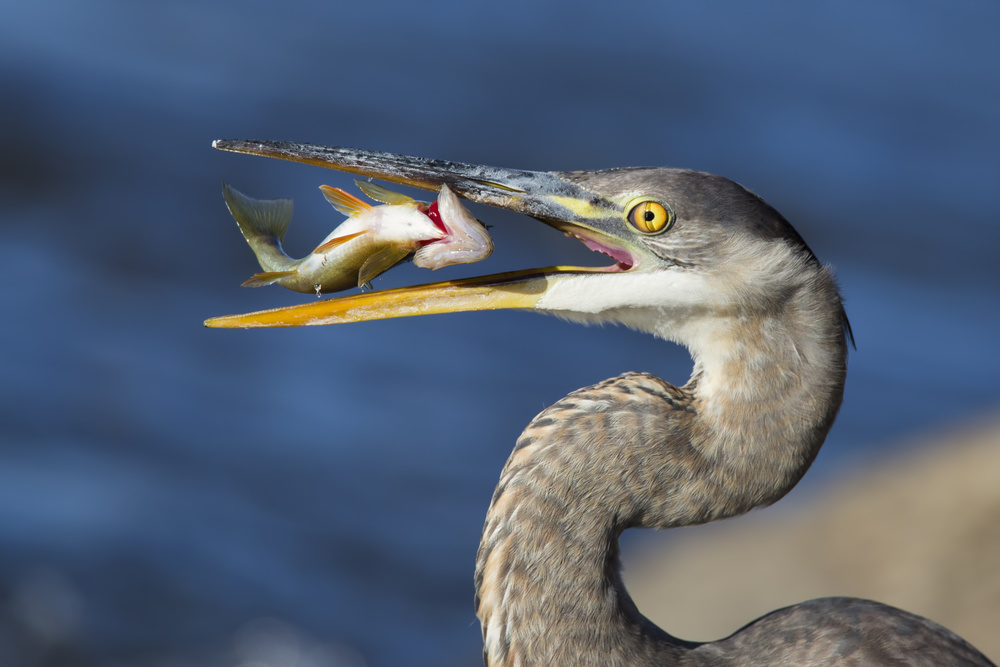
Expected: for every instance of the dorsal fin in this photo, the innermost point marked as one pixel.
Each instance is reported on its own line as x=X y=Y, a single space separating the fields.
x=344 y=202
x=381 y=194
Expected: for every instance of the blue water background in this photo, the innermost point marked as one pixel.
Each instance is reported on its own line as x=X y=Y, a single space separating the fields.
x=174 y=495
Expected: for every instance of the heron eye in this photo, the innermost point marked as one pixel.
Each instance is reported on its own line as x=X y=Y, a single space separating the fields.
x=650 y=217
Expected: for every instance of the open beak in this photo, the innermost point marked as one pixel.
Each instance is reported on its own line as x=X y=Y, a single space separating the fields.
x=544 y=196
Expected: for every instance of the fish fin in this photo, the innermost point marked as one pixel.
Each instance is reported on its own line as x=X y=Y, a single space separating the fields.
x=266 y=278
x=344 y=201
x=384 y=195
x=380 y=262
x=256 y=217
x=340 y=240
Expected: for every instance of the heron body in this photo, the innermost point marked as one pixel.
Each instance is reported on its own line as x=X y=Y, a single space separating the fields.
x=700 y=261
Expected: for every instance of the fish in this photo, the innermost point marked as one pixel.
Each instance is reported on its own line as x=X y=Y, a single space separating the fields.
x=371 y=241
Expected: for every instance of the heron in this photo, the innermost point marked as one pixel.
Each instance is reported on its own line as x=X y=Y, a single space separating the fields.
x=703 y=262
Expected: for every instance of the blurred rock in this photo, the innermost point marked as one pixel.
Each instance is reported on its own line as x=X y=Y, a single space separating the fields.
x=49 y=606
x=271 y=642
x=920 y=532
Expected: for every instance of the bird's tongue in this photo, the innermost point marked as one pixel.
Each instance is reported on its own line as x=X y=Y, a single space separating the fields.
x=620 y=256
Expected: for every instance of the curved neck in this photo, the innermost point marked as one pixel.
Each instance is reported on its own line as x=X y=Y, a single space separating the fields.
x=548 y=584
x=634 y=451
x=548 y=587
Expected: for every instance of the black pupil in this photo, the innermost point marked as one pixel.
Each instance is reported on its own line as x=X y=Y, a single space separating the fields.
x=649 y=215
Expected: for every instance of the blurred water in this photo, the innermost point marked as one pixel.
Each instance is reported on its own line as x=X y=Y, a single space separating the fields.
x=173 y=495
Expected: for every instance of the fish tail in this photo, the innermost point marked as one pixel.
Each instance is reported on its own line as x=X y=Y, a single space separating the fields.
x=263 y=223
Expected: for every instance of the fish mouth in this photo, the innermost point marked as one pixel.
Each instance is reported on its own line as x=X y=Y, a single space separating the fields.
x=546 y=196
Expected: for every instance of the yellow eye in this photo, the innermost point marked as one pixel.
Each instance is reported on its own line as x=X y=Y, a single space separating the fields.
x=650 y=217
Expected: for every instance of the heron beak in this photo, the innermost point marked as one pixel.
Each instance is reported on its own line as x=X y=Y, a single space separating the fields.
x=541 y=195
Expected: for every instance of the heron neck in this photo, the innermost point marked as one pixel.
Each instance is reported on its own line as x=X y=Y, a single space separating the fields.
x=548 y=584
x=635 y=451
x=767 y=390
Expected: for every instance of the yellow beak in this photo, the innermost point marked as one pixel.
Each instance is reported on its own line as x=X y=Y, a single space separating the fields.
x=514 y=290
x=542 y=195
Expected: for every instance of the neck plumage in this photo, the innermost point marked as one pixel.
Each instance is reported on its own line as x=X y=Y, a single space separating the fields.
x=635 y=451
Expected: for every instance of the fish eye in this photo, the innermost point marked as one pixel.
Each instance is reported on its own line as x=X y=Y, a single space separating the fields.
x=650 y=217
